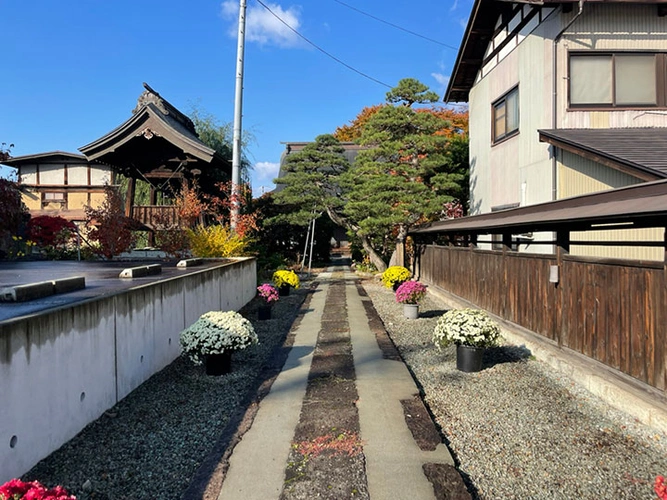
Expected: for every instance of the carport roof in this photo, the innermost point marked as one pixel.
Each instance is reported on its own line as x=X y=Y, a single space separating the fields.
x=643 y=205
x=640 y=152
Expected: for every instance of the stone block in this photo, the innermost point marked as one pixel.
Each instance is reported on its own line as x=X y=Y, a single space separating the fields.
x=31 y=291
x=65 y=285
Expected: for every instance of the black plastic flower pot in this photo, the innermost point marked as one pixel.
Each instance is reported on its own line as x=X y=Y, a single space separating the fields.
x=218 y=364
x=264 y=312
x=469 y=359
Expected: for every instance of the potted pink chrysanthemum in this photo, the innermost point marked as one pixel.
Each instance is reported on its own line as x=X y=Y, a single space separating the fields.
x=410 y=293
x=269 y=295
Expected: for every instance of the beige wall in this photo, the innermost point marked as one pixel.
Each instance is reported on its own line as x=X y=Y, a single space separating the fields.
x=579 y=176
x=31 y=199
x=76 y=201
x=517 y=170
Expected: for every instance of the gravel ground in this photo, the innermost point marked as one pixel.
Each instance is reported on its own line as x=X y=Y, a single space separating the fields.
x=519 y=429
x=150 y=445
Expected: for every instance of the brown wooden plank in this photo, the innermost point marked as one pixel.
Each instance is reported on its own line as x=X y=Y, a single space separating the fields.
x=636 y=312
x=649 y=327
x=625 y=322
x=613 y=313
x=601 y=297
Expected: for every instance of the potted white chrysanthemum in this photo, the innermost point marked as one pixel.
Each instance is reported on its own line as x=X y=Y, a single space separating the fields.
x=214 y=337
x=472 y=331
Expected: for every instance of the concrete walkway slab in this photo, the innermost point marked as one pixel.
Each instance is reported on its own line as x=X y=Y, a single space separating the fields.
x=393 y=459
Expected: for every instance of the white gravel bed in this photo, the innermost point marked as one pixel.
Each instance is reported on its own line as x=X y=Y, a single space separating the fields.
x=519 y=429
x=150 y=445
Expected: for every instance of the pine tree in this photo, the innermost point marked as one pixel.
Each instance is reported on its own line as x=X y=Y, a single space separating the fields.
x=406 y=173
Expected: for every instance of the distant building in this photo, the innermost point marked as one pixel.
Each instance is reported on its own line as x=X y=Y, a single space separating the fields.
x=61 y=183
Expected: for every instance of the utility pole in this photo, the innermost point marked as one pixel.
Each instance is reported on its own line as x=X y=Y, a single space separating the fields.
x=238 y=113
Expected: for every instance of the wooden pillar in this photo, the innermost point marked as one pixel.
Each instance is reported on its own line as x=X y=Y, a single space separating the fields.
x=129 y=197
x=400 y=254
x=562 y=249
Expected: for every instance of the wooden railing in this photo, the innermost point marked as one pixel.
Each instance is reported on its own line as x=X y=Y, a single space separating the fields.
x=613 y=311
x=155 y=216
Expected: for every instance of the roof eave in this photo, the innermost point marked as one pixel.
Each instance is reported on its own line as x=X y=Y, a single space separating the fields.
x=570 y=212
x=19 y=160
x=125 y=132
x=459 y=56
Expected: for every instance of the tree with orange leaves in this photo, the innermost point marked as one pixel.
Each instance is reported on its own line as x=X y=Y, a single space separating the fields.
x=414 y=161
x=352 y=132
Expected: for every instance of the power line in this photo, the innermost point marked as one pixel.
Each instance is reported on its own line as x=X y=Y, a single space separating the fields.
x=321 y=49
x=396 y=26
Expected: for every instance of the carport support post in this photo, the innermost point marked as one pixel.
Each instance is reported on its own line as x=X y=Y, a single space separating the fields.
x=507 y=242
x=562 y=249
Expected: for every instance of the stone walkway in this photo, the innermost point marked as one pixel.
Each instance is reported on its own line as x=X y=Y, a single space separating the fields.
x=343 y=418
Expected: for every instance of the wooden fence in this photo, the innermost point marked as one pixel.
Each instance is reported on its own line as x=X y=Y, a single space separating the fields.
x=613 y=311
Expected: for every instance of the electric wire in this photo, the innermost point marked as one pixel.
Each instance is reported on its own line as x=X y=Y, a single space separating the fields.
x=396 y=26
x=321 y=49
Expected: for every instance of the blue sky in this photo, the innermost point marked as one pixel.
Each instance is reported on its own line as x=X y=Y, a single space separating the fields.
x=72 y=71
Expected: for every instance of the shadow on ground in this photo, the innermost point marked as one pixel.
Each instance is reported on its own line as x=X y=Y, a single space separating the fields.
x=505 y=354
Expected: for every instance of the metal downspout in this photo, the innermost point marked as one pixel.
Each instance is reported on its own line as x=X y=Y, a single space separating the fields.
x=554 y=99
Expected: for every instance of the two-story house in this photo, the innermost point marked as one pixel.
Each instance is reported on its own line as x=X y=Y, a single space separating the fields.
x=565 y=98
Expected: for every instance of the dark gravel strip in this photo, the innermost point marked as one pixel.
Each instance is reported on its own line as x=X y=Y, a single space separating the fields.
x=326 y=460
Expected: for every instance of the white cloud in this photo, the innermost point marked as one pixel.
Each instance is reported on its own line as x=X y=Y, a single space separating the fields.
x=442 y=80
x=262 y=175
x=454 y=6
x=266 y=170
x=262 y=26
x=463 y=22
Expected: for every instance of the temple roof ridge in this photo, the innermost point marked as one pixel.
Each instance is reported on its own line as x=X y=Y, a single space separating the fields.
x=151 y=96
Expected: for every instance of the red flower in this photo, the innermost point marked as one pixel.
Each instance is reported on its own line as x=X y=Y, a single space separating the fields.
x=660 y=488
x=14 y=487
x=17 y=489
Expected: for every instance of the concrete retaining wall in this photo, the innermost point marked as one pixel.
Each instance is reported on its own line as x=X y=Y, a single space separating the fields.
x=61 y=369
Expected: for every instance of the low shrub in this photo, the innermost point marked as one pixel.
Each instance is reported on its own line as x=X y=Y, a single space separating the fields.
x=217 y=241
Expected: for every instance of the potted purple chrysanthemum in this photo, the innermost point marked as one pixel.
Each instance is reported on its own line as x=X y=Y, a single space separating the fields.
x=269 y=294
x=409 y=294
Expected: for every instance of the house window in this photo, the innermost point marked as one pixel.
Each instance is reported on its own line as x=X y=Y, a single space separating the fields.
x=506 y=116
x=617 y=80
x=52 y=198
